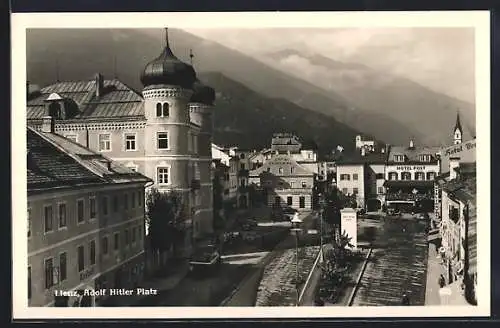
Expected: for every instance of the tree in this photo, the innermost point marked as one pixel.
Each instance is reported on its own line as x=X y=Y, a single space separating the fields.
x=165 y=213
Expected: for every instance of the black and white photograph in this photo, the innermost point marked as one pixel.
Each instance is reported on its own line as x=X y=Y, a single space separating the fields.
x=274 y=164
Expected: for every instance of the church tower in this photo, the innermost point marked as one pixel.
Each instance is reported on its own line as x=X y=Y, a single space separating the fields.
x=457 y=132
x=167 y=91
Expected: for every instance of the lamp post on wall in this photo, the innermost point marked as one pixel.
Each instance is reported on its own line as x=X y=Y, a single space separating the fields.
x=296 y=222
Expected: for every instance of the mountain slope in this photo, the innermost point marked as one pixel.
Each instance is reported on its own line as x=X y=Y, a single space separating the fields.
x=81 y=52
x=404 y=100
x=245 y=118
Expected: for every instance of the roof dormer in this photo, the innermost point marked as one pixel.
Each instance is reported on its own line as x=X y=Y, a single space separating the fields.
x=399 y=158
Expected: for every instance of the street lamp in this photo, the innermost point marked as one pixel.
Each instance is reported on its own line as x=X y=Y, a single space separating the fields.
x=296 y=222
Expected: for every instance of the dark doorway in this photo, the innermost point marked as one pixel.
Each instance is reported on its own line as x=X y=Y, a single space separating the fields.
x=373 y=205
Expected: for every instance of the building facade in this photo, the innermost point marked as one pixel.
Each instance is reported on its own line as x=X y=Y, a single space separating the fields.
x=86 y=222
x=164 y=132
x=409 y=174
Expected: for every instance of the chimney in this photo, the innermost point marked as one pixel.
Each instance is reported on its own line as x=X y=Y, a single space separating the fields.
x=363 y=151
x=454 y=163
x=48 y=124
x=412 y=145
x=99 y=84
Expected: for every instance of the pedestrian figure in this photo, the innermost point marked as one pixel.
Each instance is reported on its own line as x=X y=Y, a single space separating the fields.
x=441 y=281
x=405 y=300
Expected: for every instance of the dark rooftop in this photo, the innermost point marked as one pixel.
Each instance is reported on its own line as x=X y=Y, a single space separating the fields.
x=56 y=162
x=357 y=158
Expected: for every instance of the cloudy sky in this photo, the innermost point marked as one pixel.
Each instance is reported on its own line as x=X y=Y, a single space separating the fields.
x=439 y=58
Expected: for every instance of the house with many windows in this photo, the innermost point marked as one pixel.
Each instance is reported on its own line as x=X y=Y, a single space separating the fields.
x=164 y=131
x=85 y=221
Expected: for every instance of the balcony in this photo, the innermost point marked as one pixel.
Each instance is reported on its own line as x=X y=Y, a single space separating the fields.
x=195 y=184
x=243 y=173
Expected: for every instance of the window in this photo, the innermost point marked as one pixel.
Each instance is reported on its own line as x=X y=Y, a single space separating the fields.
x=393 y=175
x=405 y=176
x=302 y=202
x=277 y=200
x=399 y=158
x=104 y=205
x=280 y=170
x=139 y=232
x=130 y=143
x=289 y=200
x=139 y=199
x=48 y=218
x=425 y=158
x=355 y=176
x=29 y=282
x=162 y=175
x=72 y=137
x=133 y=199
x=304 y=184
x=62 y=215
x=268 y=169
x=49 y=273
x=163 y=140
x=158 y=110
x=63 y=272
x=125 y=201
x=419 y=176
x=380 y=190
x=355 y=191
x=344 y=191
x=127 y=237
x=242 y=156
x=162 y=110
x=92 y=208
x=29 y=222
x=116 y=244
x=115 y=203
x=81 y=258
x=292 y=169
x=79 y=209
x=431 y=175
x=345 y=177
x=104 y=245
x=242 y=166
x=134 y=231
x=104 y=142
x=292 y=184
x=379 y=176
x=92 y=252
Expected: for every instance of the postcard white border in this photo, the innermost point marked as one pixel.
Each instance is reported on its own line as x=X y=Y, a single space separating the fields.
x=480 y=20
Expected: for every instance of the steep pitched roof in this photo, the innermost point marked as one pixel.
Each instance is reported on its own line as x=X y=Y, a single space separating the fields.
x=412 y=154
x=457 y=124
x=282 y=159
x=116 y=100
x=57 y=162
x=343 y=158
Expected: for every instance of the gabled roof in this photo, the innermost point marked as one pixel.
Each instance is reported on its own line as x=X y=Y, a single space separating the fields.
x=57 y=162
x=282 y=159
x=412 y=154
x=353 y=158
x=116 y=100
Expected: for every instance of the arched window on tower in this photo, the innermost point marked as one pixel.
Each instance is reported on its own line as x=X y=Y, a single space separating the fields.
x=158 y=110
x=166 y=110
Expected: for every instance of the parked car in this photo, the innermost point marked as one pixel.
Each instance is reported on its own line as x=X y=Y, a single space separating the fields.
x=205 y=259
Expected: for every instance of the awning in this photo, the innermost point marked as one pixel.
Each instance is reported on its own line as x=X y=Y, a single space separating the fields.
x=409 y=183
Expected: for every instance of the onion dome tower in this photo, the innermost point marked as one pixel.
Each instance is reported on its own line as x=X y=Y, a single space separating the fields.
x=167 y=91
x=200 y=111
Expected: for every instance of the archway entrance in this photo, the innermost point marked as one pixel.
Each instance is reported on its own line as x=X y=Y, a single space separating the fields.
x=373 y=205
